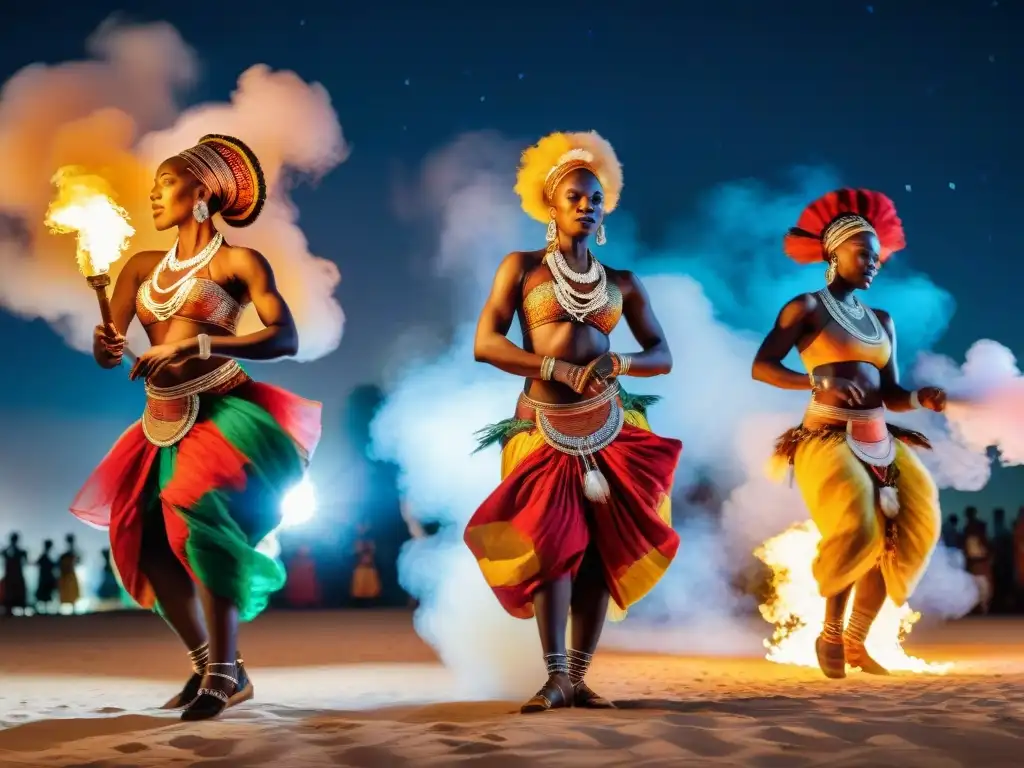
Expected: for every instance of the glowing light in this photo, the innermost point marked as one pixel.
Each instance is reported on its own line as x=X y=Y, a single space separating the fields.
x=299 y=505
x=797 y=611
x=84 y=205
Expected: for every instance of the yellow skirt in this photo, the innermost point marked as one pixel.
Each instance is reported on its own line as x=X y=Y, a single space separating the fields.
x=68 y=589
x=365 y=582
x=840 y=495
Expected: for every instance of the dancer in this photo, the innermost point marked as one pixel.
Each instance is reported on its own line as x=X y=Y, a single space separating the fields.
x=46 y=584
x=69 y=591
x=15 y=593
x=365 y=588
x=871 y=498
x=582 y=512
x=190 y=490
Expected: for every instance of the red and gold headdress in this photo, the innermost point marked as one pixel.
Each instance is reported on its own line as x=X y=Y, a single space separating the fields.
x=230 y=170
x=831 y=220
x=546 y=163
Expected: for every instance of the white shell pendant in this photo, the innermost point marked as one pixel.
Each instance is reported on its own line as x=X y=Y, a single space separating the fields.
x=595 y=487
x=889 y=501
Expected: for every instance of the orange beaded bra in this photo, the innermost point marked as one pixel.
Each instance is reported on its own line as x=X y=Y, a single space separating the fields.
x=205 y=302
x=541 y=306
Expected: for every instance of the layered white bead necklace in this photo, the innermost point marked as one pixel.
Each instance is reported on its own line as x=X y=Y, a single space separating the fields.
x=845 y=315
x=180 y=290
x=578 y=304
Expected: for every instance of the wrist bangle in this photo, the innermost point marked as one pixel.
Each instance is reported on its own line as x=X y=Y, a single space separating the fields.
x=205 y=349
x=576 y=377
x=915 y=400
x=624 y=362
x=547 y=368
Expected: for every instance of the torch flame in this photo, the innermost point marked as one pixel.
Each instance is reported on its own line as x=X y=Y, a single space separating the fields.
x=85 y=205
x=797 y=611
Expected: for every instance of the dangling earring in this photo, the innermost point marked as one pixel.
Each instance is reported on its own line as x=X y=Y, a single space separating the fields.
x=830 y=272
x=601 y=238
x=552 y=231
x=201 y=211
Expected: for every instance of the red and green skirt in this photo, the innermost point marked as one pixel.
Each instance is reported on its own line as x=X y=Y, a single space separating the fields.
x=217 y=493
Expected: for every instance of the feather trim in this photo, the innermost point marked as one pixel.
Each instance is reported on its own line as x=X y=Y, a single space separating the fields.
x=638 y=403
x=790 y=440
x=501 y=432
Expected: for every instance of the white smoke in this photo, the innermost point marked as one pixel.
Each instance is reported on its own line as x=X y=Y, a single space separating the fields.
x=986 y=398
x=117 y=114
x=715 y=290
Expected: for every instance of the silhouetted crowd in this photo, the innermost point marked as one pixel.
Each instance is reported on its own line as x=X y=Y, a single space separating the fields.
x=993 y=556
x=52 y=583
x=365 y=576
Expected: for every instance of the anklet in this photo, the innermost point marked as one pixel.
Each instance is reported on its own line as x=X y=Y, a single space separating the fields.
x=579 y=663
x=832 y=632
x=556 y=663
x=215 y=693
x=199 y=658
x=232 y=678
x=858 y=627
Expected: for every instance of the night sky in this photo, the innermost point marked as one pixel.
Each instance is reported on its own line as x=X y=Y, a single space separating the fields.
x=914 y=98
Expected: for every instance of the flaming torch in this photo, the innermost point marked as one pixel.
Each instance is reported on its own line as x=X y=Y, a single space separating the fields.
x=85 y=205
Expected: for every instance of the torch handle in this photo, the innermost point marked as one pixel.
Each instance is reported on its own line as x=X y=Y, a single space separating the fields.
x=104 y=302
x=99 y=284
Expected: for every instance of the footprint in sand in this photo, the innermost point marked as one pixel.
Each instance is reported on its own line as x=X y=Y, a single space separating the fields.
x=367 y=757
x=131 y=748
x=204 y=747
x=470 y=747
x=445 y=728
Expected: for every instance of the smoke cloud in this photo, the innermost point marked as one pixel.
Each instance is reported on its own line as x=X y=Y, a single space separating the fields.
x=118 y=114
x=986 y=407
x=716 y=286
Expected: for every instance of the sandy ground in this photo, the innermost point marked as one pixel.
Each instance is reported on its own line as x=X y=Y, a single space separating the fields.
x=80 y=691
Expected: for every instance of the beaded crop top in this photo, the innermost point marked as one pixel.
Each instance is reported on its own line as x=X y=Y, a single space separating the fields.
x=540 y=307
x=842 y=341
x=207 y=303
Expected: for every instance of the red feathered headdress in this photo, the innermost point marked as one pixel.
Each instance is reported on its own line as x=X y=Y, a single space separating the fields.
x=803 y=243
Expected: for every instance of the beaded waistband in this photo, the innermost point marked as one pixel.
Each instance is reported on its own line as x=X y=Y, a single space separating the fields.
x=172 y=411
x=581 y=430
x=867 y=434
x=843 y=415
x=223 y=378
x=581 y=417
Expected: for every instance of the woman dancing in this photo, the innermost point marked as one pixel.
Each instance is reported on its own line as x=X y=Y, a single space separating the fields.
x=870 y=497
x=582 y=512
x=191 y=489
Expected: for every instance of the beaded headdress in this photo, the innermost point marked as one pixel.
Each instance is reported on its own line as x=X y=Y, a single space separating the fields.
x=557 y=155
x=232 y=173
x=833 y=219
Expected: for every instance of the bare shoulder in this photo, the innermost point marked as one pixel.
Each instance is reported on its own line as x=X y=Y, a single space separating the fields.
x=516 y=265
x=885 y=319
x=526 y=261
x=141 y=264
x=625 y=280
x=798 y=309
x=805 y=303
x=244 y=262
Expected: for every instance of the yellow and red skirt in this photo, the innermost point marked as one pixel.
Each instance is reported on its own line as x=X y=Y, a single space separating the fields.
x=537 y=524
